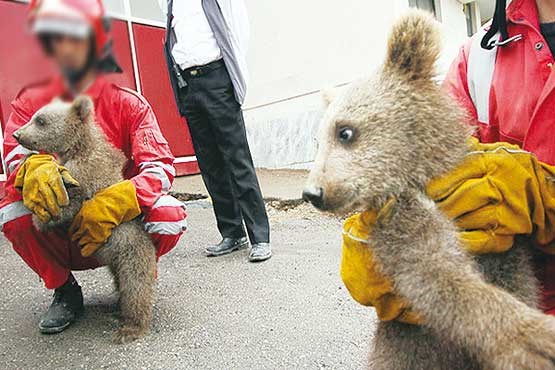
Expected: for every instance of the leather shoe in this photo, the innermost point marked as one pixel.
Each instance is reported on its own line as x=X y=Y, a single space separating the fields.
x=260 y=252
x=227 y=245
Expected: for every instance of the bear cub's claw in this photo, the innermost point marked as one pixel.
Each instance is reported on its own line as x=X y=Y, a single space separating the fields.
x=128 y=334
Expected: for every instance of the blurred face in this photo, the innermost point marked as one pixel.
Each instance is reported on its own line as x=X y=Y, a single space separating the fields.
x=70 y=53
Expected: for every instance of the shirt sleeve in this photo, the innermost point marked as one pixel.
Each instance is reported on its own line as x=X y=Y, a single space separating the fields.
x=237 y=19
x=152 y=156
x=456 y=84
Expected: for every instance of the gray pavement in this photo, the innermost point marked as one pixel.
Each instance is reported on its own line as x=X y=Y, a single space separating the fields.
x=210 y=313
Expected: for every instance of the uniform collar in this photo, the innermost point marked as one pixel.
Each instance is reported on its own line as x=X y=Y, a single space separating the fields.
x=524 y=11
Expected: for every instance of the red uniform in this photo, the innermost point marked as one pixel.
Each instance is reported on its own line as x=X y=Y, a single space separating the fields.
x=510 y=96
x=129 y=124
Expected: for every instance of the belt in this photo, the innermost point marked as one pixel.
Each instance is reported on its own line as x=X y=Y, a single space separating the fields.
x=203 y=70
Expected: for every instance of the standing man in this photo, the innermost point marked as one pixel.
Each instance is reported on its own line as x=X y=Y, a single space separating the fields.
x=206 y=45
x=75 y=34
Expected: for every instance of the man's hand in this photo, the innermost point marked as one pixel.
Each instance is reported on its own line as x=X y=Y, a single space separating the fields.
x=41 y=181
x=498 y=192
x=110 y=207
x=362 y=275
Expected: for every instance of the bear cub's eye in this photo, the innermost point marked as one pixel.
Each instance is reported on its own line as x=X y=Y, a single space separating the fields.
x=40 y=121
x=345 y=134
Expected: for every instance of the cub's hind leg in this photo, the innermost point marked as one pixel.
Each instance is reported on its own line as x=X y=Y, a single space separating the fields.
x=398 y=346
x=134 y=266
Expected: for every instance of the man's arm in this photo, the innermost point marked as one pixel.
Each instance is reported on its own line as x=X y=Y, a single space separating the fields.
x=236 y=16
x=152 y=156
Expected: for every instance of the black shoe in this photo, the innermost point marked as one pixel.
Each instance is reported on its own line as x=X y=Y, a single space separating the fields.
x=65 y=308
x=260 y=252
x=227 y=245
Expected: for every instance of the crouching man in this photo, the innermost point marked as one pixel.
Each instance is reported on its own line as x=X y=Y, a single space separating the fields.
x=76 y=35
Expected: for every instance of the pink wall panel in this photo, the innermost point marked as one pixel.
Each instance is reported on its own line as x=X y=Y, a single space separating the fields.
x=156 y=87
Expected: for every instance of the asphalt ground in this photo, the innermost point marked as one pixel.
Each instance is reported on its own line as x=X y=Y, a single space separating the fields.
x=210 y=313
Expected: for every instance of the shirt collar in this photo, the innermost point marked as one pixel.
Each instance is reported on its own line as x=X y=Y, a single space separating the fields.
x=520 y=11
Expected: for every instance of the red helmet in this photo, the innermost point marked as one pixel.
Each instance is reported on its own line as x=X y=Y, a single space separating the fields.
x=79 y=18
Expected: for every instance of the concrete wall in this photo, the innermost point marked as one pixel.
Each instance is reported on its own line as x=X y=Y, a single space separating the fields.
x=300 y=47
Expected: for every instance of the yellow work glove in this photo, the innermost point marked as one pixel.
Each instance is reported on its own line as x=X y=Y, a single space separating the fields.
x=41 y=182
x=110 y=207
x=362 y=275
x=498 y=192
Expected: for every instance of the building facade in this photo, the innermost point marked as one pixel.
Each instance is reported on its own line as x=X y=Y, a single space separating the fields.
x=297 y=48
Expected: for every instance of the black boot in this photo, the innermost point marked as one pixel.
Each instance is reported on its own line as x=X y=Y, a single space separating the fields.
x=66 y=306
x=227 y=245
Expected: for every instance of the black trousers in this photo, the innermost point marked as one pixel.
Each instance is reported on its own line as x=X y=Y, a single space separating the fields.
x=217 y=128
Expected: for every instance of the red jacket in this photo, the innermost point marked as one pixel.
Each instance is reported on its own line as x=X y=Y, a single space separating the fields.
x=128 y=122
x=511 y=98
x=522 y=96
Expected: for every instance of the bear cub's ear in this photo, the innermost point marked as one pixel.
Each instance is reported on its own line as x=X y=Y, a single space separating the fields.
x=83 y=108
x=414 y=46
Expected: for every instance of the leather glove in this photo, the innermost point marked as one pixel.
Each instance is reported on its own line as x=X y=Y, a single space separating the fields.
x=498 y=192
x=109 y=207
x=41 y=182
x=362 y=275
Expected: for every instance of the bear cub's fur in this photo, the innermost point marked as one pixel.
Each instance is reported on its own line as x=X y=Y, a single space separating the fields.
x=382 y=141
x=68 y=130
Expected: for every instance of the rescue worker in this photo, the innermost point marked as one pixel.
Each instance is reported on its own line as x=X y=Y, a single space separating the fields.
x=75 y=34
x=504 y=78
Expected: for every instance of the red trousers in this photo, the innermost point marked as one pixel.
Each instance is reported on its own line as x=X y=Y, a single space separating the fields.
x=53 y=256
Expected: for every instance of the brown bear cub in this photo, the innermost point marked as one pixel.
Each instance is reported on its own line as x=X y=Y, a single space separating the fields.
x=68 y=130
x=382 y=141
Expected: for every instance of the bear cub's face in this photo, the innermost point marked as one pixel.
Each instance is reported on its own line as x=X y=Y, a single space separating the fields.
x=391 y=134
x=362 y=146
x=56 y=127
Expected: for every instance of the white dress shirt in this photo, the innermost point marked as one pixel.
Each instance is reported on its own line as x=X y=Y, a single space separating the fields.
x=196 y=44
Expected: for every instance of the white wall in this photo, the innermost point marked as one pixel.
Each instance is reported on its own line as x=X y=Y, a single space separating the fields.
x=299 y=47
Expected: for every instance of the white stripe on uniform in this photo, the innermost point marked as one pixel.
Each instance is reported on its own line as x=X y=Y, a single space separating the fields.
x=168 y=201
x=11 y=212
x=166 y=228
x=18 y=150
x=158 y=169
x=169 y=168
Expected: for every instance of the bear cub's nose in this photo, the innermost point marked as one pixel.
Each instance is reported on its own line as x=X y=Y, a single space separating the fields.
x=314 y=195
